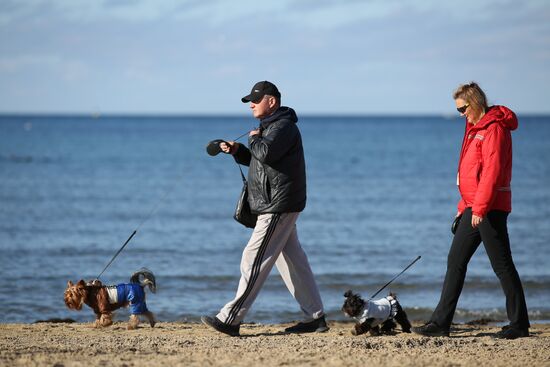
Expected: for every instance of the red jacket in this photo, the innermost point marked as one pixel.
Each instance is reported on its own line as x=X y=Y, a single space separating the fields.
x=485 y=166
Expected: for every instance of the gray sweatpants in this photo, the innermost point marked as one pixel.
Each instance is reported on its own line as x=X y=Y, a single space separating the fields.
x=274 y=241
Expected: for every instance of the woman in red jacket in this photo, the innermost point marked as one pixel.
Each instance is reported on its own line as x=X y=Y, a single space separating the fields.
x=484 y=175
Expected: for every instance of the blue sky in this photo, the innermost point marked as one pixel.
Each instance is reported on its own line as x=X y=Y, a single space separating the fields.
x=326 y=56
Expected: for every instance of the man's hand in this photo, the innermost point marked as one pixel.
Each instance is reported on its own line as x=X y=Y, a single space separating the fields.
x=229 y=147
x=476 y=220
x=254 y=132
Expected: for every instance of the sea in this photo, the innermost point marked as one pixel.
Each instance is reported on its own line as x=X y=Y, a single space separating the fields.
x=381 y=192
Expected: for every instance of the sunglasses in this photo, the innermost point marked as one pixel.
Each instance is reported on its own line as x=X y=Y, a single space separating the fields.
x=258 y=100
x=463 y=108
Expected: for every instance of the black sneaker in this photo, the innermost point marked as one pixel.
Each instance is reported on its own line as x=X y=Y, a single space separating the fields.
x=510 y=332
x=222 y=327
x=316 y=326
x=430 y=329
x=505 y=327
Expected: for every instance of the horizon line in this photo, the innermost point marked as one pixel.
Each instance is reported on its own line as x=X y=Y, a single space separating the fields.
x=242 y=115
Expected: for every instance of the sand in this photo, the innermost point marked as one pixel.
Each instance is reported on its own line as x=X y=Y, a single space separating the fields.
x=189 y=344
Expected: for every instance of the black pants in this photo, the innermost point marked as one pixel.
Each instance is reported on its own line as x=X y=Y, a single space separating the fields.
x=494 y=234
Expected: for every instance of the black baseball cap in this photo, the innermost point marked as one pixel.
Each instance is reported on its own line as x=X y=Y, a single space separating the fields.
x=260 y=89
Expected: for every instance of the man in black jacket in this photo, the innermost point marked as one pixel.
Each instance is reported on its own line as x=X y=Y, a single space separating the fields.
x=277 y=193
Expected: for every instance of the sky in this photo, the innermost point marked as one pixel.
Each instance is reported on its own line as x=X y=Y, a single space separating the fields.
x=326 y=56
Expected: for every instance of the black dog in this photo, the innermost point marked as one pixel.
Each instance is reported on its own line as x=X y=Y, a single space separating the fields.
x=369 y=314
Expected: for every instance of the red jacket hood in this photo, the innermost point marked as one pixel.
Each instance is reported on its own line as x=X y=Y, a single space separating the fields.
x=500 y=115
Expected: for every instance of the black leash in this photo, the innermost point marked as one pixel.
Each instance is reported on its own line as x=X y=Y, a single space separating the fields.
x=240 y=169
x=143 y=221
x=248 y=132
x=151 y=214
x=388 y=283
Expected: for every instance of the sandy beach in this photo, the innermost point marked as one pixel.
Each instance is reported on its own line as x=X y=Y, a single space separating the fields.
x=189 y=344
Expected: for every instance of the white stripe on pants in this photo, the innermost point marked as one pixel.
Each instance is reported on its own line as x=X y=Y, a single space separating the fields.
x=274 y=241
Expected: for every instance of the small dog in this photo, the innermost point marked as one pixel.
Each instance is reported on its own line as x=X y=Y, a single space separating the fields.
x=369 y=314
x=106 y=299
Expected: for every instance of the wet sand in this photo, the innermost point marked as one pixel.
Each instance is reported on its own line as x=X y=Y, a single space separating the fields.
x=189 y=344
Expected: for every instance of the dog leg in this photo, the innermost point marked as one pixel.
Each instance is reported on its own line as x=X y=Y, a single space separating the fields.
x=362 y=327
x=106 y=320
x=133 y=322
x=387 y=327
x=374 y=331
x=151 y=318
x=402 y=319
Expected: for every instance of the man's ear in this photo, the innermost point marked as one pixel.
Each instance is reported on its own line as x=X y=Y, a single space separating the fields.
x=272 y=101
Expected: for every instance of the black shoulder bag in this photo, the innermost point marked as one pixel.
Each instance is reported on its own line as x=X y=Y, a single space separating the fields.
x=243 y=214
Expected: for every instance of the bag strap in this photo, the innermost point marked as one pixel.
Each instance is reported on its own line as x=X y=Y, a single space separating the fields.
x=242 y=174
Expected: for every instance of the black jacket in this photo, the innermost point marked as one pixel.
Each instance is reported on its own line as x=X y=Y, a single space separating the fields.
x=277 y=170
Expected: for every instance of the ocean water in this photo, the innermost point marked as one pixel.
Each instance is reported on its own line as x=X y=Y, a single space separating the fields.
x=381 y=191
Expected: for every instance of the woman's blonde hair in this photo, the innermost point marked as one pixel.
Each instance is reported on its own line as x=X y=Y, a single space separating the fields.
x=473 y=95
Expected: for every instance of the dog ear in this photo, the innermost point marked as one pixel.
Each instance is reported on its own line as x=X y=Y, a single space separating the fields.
x=348 y=293
x=69 y=284
x=81 y=284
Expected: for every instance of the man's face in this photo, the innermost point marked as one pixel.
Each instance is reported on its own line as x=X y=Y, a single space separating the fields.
x=263 y=107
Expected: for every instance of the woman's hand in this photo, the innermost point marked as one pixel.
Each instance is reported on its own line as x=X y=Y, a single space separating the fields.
x=476 y=220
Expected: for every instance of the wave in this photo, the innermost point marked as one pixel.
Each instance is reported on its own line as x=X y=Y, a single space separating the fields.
x=329 y=283
x=371 y=282
x=16 y=158
x=32 y=312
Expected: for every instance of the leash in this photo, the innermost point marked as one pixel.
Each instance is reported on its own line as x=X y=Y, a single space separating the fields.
x=248 y=132
x=150 y=215
x=155 y=208
x=388 y=283
x=240 y=169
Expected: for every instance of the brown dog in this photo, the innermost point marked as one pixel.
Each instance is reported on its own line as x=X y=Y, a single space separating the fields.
x=103 y=300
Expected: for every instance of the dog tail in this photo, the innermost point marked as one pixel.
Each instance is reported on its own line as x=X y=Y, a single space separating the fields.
x=148 y=279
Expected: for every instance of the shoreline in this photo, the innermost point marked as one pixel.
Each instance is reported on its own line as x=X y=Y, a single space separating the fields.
x=194 y=344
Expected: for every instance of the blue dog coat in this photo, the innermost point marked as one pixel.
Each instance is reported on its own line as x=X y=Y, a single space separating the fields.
x=131 y=293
